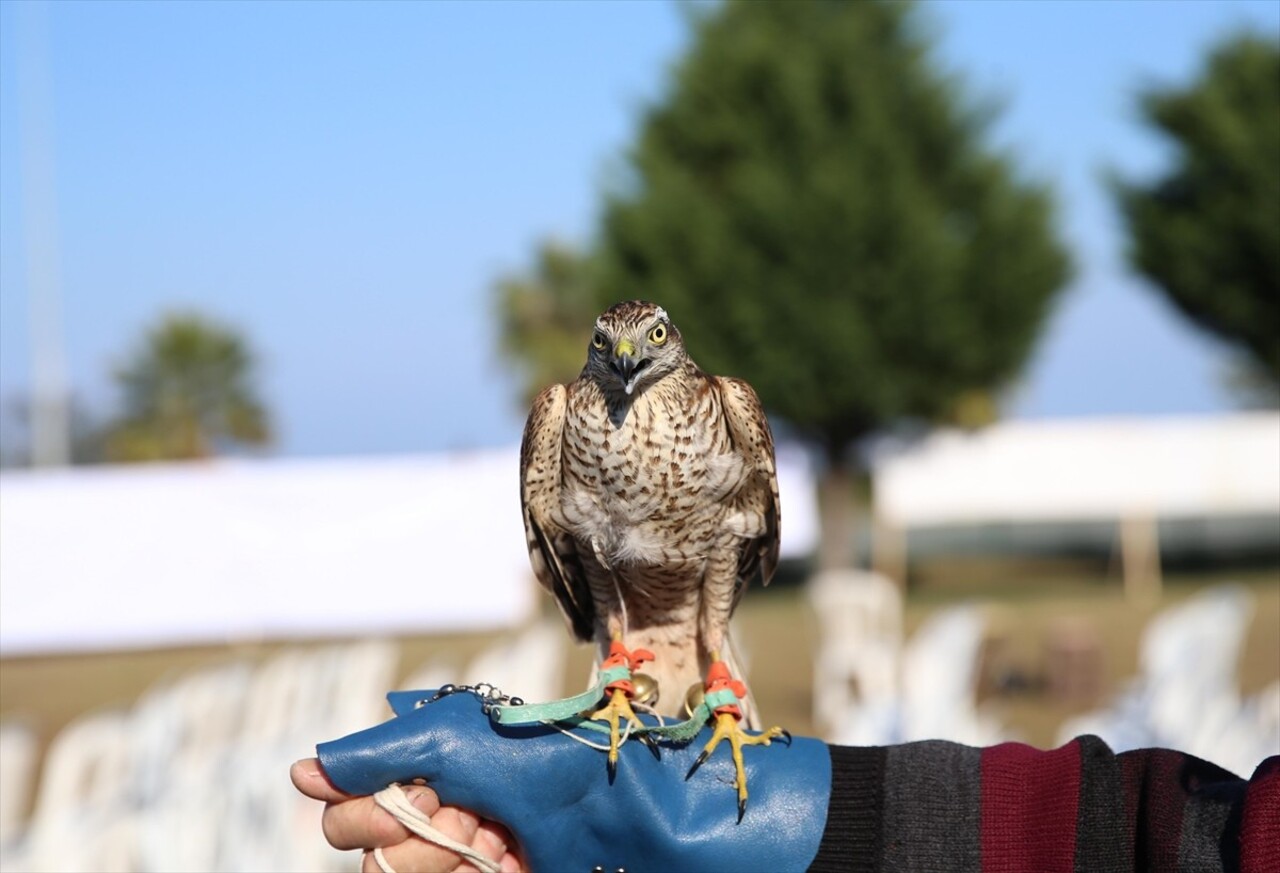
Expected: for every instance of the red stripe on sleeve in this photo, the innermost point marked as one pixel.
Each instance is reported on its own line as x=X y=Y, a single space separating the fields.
x=1030 y=799
x=1260 y=824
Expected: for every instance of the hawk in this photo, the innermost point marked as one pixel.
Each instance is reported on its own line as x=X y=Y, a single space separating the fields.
x=650 y=499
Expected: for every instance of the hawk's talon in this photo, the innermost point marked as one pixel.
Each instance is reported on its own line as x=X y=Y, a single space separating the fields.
x=651 y=744
x=706 y=753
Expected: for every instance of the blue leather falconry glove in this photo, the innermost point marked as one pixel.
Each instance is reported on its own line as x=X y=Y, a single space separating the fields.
x=555 y=795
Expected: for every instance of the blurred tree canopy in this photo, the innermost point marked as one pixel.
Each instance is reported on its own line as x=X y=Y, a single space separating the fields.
x=544 y=319
x=188 y=392
x=1208 y=233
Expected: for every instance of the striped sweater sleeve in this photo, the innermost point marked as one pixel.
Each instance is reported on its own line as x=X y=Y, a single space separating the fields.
x=941 y=806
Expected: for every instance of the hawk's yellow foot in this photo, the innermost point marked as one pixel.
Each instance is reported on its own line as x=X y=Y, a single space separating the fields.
x=722 y=694
x=617 y=710
x=618 y=669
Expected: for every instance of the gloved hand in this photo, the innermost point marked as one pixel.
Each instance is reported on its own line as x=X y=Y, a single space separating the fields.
x=555 y=795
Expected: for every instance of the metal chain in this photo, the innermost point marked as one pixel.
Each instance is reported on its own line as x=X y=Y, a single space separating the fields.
x=490 y=696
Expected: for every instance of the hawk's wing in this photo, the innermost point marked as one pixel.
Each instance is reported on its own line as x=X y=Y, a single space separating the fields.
x=552 y=551
x=749 y=430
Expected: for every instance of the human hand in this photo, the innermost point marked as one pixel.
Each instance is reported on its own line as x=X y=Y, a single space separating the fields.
x=359 y=823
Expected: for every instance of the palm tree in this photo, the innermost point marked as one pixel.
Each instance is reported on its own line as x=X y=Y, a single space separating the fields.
x=188 y=393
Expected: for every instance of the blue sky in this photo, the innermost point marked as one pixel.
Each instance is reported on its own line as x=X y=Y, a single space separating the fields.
x=346 y=181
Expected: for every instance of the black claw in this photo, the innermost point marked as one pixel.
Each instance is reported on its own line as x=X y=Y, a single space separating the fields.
x=613 y=771
x=742 y=808
x=698 y=763
x=787 y=734
x=652 y=745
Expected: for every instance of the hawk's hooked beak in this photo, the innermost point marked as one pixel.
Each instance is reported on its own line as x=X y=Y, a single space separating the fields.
x=627 y=363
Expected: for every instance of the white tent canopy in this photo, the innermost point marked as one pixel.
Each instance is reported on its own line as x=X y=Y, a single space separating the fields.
x=1130 y=471
x=1086 y=469
x=94 y=558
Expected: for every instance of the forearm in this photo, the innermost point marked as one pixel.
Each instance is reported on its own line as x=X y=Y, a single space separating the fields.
x=939 y=805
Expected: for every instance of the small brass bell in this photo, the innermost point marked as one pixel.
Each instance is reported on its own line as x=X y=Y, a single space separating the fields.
x=646 y=688
x=693 y=698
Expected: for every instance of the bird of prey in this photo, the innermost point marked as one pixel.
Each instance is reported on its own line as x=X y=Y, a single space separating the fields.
x=650 y=499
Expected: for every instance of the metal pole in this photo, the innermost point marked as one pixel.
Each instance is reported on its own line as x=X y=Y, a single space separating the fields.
x=50 y=397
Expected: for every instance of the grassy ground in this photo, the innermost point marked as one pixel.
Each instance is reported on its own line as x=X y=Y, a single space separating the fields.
x=778 y=629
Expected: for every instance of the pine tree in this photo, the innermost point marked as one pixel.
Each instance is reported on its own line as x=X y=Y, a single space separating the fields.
x=1207 y=233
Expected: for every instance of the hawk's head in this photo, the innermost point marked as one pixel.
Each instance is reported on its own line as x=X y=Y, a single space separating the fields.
x=634 y=344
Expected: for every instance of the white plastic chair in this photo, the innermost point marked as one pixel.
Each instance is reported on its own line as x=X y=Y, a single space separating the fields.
x=184 y=734
x=180 y=725
x=297 y=699
x=1187 y=694
x=940 y=680
x=530 y=665
x=431 y=674
x=17 y=770
x=857 y=664
x=1189 y=657
x=357 y=680
x=84 y=816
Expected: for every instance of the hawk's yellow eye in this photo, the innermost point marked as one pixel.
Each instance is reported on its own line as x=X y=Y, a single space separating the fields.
x=658 y=335
x=597 y=340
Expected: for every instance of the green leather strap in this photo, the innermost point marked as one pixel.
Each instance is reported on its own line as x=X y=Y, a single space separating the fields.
x=568 y=712
x=555 y=710
x=681 y=731
x=723 y=697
